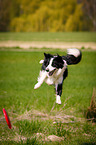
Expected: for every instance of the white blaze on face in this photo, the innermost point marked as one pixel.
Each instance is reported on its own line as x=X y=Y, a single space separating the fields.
x=50 y=67
x=65 y=63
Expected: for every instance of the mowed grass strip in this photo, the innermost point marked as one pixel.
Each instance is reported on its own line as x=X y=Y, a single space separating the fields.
x=49 y=36
x=18 y=75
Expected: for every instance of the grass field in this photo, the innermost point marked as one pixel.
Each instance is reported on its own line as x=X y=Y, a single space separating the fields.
x=33 y=113
x=46 y=36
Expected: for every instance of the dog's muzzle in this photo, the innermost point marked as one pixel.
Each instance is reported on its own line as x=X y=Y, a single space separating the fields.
x=51 y=72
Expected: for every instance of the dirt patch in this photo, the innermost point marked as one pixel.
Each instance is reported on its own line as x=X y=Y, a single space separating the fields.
x=61 y=45
x=58 y=116
x=18 y=138
x=55 y=138
x=39 y=137
x=37 y=115
x=33 y=115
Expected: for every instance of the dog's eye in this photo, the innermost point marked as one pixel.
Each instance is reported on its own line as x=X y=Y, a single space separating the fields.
x=55 y=65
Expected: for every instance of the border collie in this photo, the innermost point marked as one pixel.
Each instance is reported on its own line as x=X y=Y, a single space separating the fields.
x=54 y=70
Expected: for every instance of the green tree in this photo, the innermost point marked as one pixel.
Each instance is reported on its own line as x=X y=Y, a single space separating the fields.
x=89 y=11
x=53 y=15
x=75 y=21
x=4 y=15
x=8 y=10
x=29 y=6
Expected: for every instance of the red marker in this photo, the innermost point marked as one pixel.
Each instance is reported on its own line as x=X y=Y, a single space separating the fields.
x=7 y=118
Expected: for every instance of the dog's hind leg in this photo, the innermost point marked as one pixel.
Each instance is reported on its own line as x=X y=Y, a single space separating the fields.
x=58 y=88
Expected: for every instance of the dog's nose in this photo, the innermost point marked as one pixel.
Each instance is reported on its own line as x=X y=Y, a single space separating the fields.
x=47 y=70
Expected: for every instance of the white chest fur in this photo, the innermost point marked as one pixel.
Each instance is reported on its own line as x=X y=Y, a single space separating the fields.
x=56 y=78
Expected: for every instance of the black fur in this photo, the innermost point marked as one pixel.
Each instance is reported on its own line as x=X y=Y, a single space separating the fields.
x=59 y=89
x=58 y=62
x=60 y=86
x=46 y=60
x=71 y=59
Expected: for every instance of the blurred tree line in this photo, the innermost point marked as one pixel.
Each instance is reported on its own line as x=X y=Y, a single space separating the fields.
x=47 y=15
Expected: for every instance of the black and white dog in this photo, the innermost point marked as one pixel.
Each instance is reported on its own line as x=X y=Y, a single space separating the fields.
x=54 y=70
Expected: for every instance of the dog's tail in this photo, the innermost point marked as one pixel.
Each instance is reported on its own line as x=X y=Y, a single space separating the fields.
x=73 y=56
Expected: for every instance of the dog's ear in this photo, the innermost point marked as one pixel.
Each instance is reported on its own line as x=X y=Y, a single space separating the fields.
x=48 y=55
x=45 y=54
x=58 y=55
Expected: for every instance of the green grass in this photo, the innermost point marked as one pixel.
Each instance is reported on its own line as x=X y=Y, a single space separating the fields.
x=18 y=73
x=46 y=36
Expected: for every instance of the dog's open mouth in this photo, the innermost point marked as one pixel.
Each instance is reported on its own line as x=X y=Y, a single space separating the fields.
x=51 y=72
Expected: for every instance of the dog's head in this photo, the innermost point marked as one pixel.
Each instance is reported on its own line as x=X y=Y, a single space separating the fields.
x=52 y=63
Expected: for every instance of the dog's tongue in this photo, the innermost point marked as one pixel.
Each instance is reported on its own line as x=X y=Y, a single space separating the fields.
x=51 y=72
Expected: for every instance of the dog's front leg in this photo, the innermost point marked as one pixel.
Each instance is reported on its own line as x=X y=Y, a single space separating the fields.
x=41 y=78
x=58 y=88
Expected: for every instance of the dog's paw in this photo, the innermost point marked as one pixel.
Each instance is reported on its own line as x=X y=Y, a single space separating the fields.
x=37 y=86
x=41 y=61
x=58 y=100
